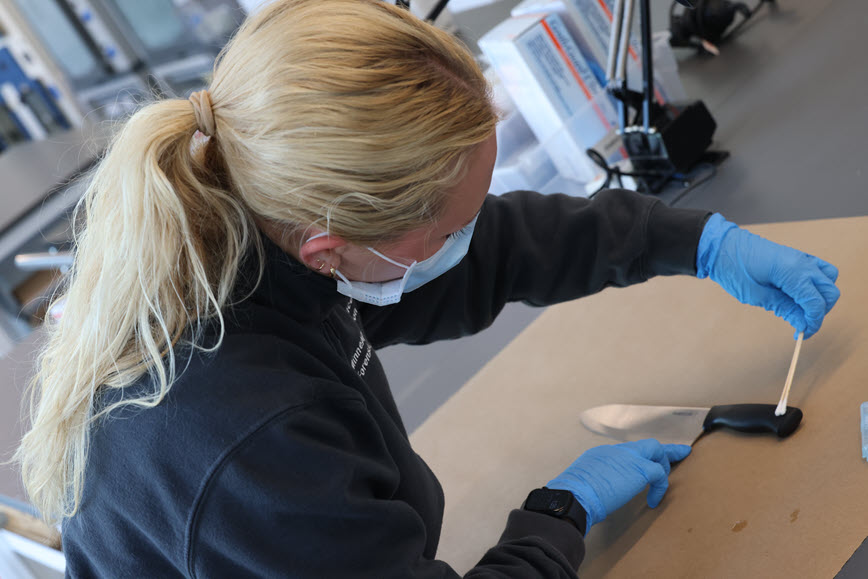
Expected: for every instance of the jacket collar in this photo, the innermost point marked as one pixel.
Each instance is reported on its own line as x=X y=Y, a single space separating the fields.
x=290 y=287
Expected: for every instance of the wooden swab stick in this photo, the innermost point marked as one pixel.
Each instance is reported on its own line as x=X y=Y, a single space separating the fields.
x=782 y=405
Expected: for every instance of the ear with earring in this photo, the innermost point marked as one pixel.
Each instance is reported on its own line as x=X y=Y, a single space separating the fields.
x=322 y=264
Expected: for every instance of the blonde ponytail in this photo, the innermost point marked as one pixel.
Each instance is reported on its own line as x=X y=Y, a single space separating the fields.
x=158 y=256
x=349 y=115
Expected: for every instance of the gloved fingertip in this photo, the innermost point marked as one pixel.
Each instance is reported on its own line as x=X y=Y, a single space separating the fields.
x=831 y=294
x=677 y=452
x=656 y=492
x=828 y=269
x=649 y=448
x=809 y=331
x=799 y=328
x=811 y=305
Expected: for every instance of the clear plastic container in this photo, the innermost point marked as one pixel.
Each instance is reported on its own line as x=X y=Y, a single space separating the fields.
x=529 y=7
x=591 y=124
x=527 y=170
x=522 y=163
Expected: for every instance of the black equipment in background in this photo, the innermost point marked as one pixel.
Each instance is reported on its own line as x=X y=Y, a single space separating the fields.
x=679 y=142
x=432 y=15
x=662 y=142
x=436 y=10
x=705 y=27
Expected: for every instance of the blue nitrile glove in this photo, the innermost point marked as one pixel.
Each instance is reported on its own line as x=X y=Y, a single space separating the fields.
x=605 y=478
x=798 y=287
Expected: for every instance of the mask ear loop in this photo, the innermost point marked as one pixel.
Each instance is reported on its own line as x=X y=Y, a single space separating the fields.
x=390 y=260
x=335 y=272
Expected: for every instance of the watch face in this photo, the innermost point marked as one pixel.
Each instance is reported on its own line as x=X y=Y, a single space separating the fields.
x=553 y=501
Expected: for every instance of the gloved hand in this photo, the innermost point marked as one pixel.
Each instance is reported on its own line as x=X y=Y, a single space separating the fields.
x=605 y=478
x=797 y=287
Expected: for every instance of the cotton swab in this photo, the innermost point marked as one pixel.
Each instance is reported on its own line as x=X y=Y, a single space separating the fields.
x=782 y=405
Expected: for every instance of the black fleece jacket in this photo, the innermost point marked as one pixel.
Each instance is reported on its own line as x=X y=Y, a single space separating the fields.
x=282 y=454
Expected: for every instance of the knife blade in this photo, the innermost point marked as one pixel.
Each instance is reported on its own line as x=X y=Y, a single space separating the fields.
x=684 y=425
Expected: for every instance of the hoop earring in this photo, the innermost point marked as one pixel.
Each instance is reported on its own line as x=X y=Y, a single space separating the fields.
x=332 y=272
x=321 y=265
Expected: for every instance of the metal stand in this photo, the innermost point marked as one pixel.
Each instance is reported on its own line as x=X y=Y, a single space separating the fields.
x=670 y=140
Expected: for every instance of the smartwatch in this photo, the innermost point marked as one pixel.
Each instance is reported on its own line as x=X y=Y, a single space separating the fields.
x=557 y=503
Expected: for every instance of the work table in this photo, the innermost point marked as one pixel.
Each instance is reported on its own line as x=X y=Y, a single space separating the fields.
x=739 y=505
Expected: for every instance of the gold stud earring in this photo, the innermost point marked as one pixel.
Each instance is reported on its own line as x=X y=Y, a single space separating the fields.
x=332 y=272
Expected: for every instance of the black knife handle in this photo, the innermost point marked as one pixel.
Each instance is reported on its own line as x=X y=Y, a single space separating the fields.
x=753 y=418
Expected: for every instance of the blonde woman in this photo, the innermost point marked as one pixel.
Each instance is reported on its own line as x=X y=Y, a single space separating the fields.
x=211 y=403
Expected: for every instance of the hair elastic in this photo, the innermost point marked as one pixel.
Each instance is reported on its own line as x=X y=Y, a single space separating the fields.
x=204 y=112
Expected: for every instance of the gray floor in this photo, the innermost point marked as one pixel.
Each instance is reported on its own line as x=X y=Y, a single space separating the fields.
x=788 y=97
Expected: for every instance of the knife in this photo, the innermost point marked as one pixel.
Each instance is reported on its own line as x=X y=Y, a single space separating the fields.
x=680 y=425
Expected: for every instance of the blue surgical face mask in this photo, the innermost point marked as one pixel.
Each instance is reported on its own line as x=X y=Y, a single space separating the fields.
x=416 y=275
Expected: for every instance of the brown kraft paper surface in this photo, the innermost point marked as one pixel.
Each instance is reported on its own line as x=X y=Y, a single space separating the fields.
x=739 y=505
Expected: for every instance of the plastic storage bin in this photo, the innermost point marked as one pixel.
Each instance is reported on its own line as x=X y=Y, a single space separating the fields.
x=594 y=122
x=522 y=163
